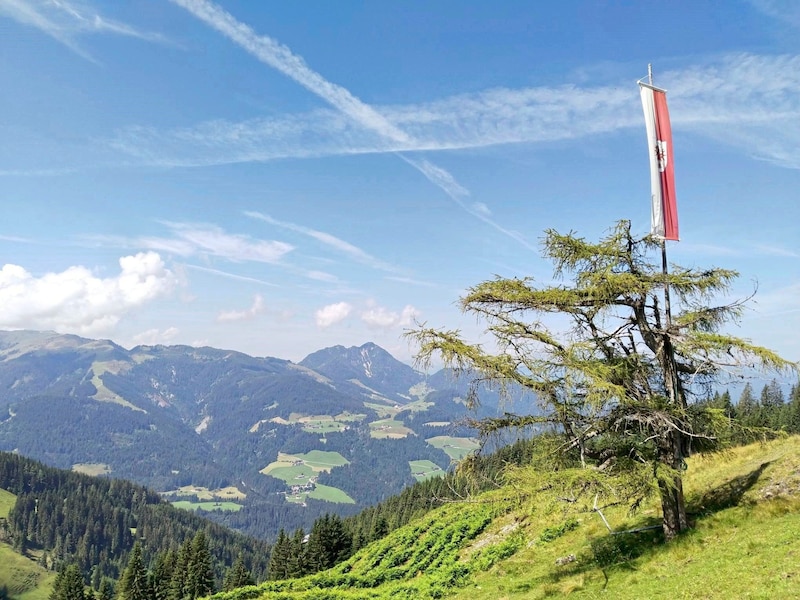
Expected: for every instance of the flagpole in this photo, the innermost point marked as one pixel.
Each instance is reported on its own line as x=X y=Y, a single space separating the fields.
x=664 y=264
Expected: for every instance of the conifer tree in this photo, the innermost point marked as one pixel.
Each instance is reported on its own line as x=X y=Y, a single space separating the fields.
x=237 y=576
x=68 y=584
x=616 y=387
x=179 y=586
x=296 y=565
x=200 y=574
x=106 y=591
x=161 y=575
x=279 y=557
x=135 y=584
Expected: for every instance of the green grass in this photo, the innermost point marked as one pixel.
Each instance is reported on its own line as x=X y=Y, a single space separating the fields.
x=455 y=447
x=320 y=460
x=223 y=506
x=296 y=475
x=745 y=505
x=25 y=579
x=382 y=410
x=424 y=469
x=93 y=469
x=330 y=494
x=7 y=500
x=104 y=394
x=388 y=428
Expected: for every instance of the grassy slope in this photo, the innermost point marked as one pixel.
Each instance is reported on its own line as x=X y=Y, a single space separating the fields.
x=24 y=579
x=746 y=504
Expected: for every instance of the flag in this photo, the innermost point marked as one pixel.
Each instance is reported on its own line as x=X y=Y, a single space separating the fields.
x=664 y=208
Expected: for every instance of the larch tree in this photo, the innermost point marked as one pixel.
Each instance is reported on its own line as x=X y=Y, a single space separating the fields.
x=612 y=372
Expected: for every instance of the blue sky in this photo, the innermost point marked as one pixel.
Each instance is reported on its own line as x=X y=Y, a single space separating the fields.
x=280 y=177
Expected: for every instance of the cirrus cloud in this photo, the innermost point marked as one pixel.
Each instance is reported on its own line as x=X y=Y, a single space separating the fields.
x=76 y=300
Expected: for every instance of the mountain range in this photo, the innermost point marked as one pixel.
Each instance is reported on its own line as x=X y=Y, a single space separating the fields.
x=239 y=436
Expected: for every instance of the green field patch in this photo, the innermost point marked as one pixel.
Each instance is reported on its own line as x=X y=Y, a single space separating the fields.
x=22 y=577
x=7 y=500
x=455 y=447
x=203 y=493
x=294 y=475
x=424 y=469
x=348 y=417
x=330 y=494
x=324 y=426
x=382 y=410
x=320 y=423
x=93 y=469
x=388 y=428
x=289 y=467
x=216 y=505
x=104 y=394
x=417 y=406
x=320 y=460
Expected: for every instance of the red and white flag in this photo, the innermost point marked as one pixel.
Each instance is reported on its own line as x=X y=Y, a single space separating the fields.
x=664 y=211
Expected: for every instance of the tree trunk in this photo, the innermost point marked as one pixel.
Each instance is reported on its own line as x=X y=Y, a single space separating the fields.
x=673 y=505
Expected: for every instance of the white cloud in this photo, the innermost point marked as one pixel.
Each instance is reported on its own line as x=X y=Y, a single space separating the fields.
x=787 y=11
x=75 y=300
x=327 y=239
x=231 y=275
x=249 y=314
x=332 y=314
x=154 y=337
x=322 y=276
x=65 y=21
x=193 y=239
x=281 y=58
x=749 y=101
x=382 y=318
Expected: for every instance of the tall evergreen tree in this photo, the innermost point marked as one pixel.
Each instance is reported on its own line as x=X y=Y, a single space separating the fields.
x=200 y=574
x=296 y=565
x=68 y=585
x=279 y=557
x=179 y=586
x=161 y=575
x=747 y=408
x=135 y=584
x=106 y=591
x=237 y=576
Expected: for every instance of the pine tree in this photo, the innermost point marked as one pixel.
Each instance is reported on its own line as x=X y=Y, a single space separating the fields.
x=179 y=586
x=279 y=557
x=793 y=410
x=106 y=591
x=237 y=576
x=200 y=575
x=296 y=565
x=68 y=585
x=135 y=584
x=747 y=408
x=161 y=575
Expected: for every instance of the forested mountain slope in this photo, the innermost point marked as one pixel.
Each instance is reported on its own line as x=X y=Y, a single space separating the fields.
x=261 y=443
x=60 y=517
